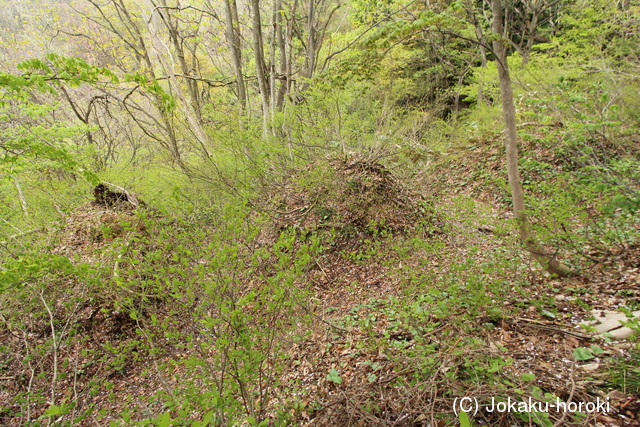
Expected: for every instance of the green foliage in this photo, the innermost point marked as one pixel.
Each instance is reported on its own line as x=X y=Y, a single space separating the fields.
x=464 y=419
x=582 y=353
x=172 y=278
x=154 y=88
x=624 y=373
x=210 y=291
x=334 y=377
x=22 y=270
x=37 y=147
x=592 y=30
x=541 y=419
x=43 y=295
x=55 y=68
x=27 y=134
x=632 y=321
x=233 y=347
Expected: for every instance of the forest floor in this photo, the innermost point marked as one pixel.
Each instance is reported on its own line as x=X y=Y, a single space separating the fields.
x=373 y=353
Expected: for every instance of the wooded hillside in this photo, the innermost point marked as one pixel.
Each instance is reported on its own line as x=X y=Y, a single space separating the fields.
x=319 y=213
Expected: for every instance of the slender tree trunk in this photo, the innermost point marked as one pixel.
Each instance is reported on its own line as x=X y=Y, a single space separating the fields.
x=482 y=40
x=509 y=113
x=289 y=46
x=282 y=71
x=531 y=35
x=310 y=58
x=261 y=68
x=23 y=200
x=167 y=65
x=311 y=41
x=279 y=65
x=174 y=35
x=272 y=58
x=233 y=37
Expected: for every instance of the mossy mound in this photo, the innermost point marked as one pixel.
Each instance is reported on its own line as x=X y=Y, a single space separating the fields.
x=91 y=227
x=351 y=197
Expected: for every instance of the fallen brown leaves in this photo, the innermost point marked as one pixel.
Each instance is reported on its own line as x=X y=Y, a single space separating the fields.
x=357 y=364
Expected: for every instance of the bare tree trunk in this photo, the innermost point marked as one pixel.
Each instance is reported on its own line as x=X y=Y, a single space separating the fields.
x=167 y=65
x=23 y=200
x=282 y=91
x=261 y=68
x=482 y=40
x=531 y=34
x=311 y=41
x=310 y=58
x=177 y=41
x=233 y=37
x=272 y=58
x=509 y=113
x=289 y=46
x=278 y=68
x=133 y=38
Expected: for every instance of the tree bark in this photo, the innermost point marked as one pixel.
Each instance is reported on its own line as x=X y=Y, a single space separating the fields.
x=311 y=40
x=233 y=37
x=272 y=58
x=177 y=40
x=261 y=68
x=282 y=90
x=311 y=48
x=23 y=200
x=509 y=113
x=288 y=49
x=133 y=38
x=483 y=52
x=278 y=67
x=160 y=48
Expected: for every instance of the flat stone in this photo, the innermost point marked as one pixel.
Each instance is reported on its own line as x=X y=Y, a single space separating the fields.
x=609 y=321
x=590 y=367
x=621 y=333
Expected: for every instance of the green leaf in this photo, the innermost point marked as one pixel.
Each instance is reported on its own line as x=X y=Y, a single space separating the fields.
x=528 y=377
x=334 y=376
x=582 y=353
x=165 y=420
x=53 y=410
x=464 y=419
x=596 y=350
x=207 y=418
